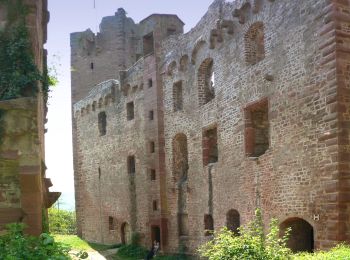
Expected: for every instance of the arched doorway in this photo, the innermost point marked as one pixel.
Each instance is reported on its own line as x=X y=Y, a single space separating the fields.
x=301 y=238
x=233 y=221
x=125 y=233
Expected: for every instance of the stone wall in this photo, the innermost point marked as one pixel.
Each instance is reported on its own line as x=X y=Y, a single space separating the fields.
x=263 y=122
x=24 y=194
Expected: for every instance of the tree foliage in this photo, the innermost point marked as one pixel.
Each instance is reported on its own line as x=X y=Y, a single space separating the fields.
x=62 y=221
x=252 y=243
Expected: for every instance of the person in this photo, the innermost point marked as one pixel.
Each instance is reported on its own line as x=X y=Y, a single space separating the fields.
x=153 y=251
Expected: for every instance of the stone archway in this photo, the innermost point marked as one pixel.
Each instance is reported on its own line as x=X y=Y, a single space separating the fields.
x=125 y=233
x=301 y=238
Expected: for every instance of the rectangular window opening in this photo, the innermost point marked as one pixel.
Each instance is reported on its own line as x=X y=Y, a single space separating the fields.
x=131 y=164
x=151 y=115
x=111 y=223
x=183 y=224
x=171 y=31
x=257 y=129
x=210 y=146
x=148 y=44
x=130 y=111
x=177 y=96
x=150 y=83
x=102 y=123
x=155 y=205
x=152 y=147
x=153 y=174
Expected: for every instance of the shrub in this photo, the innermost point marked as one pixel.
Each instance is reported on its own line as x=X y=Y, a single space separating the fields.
x=15 y=245
x=252 y=243
x=339 y=252
x=62 y=222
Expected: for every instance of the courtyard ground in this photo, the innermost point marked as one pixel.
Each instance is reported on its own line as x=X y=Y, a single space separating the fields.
x=95 y=251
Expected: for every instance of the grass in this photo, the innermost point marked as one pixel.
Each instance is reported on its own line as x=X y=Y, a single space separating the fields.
x=129 y=252
x=340 y=252
x=76 y=243
x=73 y=241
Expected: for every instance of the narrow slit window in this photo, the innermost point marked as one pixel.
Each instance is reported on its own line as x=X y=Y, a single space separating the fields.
x=130 y=113
x=111 y=223
x=152 y=147
x=151 y=115
x=153 y=174
x=155 y=205
x=177 y=96
x=131 y=164
x=102 y=123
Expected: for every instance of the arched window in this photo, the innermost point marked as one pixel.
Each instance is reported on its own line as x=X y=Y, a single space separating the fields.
x=206 y=82
x=184 y=63
x=254 y=43
x=301 y=237
x=233 y=221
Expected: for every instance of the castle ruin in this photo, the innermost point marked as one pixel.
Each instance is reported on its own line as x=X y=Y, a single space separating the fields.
x=176 y=135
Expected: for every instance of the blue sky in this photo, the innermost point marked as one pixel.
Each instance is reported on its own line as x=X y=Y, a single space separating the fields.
x=68 y=16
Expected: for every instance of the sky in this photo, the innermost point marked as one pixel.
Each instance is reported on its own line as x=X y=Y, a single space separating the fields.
x=67 y=16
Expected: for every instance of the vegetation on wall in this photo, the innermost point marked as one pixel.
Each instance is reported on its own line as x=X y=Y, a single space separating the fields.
x=19 y=75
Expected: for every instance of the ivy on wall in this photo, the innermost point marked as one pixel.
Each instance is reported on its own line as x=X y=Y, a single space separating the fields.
x=19 y=75
x=2 y=125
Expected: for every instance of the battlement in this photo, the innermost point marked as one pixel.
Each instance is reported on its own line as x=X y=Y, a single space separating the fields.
x=101 y=95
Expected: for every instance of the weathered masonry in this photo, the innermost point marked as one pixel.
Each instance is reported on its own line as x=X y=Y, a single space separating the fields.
x=24 y=188
x=178 y=134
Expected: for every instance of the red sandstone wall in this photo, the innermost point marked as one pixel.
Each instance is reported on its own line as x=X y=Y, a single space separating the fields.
x=23 y=140
x=303 y=76
x=292 y=179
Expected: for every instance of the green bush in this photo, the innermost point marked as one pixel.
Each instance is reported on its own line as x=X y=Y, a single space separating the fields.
x=251 y=244
x=62 y=222
x=340 y=252
x=14 y=245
